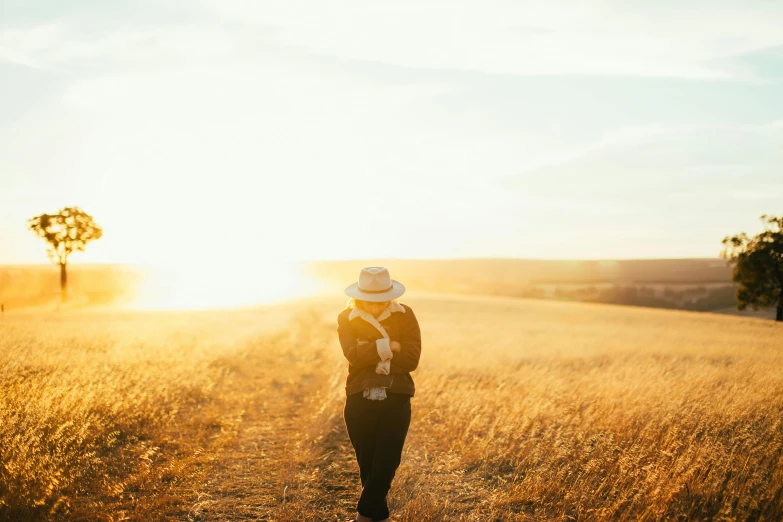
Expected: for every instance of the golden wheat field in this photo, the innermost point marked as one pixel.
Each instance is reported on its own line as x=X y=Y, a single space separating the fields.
x=525 y=410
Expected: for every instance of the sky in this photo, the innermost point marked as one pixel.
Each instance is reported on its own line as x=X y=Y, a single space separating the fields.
x=221 y=132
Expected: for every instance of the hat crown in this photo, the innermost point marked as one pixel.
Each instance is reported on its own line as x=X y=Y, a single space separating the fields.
x=375 y=285
x=374 y=279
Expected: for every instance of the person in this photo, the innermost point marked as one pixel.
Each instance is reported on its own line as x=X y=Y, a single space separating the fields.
x=381 y=340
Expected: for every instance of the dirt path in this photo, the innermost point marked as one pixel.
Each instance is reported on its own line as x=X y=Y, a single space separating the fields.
x=289 y=457
x=267 y=442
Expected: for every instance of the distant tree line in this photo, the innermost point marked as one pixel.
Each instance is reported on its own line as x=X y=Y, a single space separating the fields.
x=698 y=298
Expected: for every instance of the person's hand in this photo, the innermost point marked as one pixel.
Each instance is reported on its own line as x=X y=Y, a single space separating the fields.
x=395 y=346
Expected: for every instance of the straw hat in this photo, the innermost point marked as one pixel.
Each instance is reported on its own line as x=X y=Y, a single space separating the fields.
x=375 y=284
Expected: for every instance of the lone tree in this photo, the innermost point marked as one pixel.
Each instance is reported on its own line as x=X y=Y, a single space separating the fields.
x=758 y=266
x=66 y=232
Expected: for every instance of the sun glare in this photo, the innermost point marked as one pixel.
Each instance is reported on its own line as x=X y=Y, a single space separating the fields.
x=190 y=287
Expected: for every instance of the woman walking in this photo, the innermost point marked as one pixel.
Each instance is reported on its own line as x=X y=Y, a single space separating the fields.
x=382 y=342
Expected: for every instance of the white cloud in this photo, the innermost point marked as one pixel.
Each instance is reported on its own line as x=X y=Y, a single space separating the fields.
x=524 y=37
x=67 y=45
x=713 y=145
x=492 y=36
x=725 y=169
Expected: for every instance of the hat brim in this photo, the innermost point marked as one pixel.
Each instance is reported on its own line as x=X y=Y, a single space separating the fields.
x=396 y=291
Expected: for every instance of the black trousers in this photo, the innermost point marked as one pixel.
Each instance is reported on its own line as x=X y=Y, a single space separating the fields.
x=377 y=430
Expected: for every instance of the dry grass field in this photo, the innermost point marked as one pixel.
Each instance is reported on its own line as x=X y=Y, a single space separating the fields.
x=525 y=410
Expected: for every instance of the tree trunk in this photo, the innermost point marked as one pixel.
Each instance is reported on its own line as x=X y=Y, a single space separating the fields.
x=779 y=317
x=63 y=283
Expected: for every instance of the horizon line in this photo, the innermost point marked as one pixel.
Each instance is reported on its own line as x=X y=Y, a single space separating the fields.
x=420 y=259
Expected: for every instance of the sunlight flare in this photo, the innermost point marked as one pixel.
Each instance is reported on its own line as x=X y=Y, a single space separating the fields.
x=199 y=287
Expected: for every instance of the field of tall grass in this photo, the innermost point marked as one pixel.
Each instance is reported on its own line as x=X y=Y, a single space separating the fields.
x=524 y=410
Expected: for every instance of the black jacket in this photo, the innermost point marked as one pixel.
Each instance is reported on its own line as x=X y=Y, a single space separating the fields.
x=362 y=359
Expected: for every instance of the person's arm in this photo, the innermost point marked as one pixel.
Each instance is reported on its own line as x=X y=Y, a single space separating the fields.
x=407 y=358
x=358 y=354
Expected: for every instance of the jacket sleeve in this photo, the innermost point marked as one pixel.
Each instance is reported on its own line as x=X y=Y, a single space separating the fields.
x=407 y=359
x=358 y=355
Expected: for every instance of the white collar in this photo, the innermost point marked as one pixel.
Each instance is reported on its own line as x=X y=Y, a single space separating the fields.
x=394 y=306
